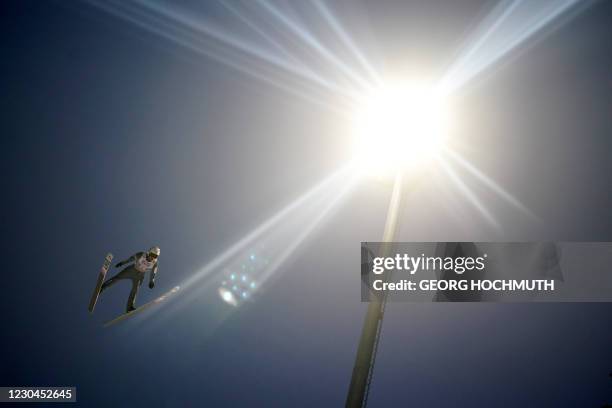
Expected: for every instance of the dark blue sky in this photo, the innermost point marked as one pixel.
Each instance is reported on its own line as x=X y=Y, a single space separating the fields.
x=114 y=139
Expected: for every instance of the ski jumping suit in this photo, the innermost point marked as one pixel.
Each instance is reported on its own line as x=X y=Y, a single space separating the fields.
x=135 y=272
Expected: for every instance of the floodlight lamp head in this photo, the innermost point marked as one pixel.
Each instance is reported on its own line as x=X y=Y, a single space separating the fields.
x=397 y=126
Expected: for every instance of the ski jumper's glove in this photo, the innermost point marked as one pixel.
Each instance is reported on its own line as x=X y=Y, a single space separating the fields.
x=151 y=285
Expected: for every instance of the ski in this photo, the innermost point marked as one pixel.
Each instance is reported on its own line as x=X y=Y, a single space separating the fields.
x=143 y=307
x=101 y=275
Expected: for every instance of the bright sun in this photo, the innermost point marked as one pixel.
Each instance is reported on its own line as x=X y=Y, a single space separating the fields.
x=398 y=126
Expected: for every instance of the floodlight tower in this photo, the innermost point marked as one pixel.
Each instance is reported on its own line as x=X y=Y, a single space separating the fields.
x=372 y=326
x=397 y=128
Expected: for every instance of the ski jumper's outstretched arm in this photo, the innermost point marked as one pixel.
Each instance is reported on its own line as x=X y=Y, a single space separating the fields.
x=130 y=259
x=152 y=277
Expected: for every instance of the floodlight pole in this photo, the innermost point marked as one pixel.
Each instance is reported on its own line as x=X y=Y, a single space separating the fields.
x=370 y=334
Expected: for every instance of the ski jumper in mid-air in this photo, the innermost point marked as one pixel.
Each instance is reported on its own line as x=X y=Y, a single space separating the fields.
x=140 y=263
